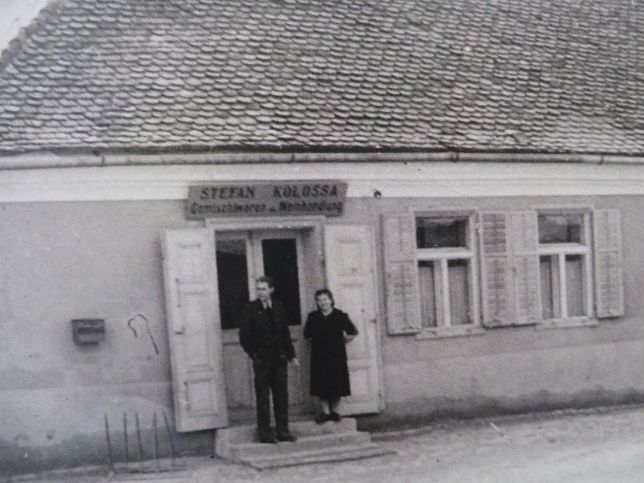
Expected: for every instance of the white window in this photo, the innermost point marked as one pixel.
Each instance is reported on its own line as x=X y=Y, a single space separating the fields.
x=447 y=279
x=564 y=264
x=536 y=267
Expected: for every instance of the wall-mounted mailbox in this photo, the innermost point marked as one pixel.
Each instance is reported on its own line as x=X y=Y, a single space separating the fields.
x=88 y=331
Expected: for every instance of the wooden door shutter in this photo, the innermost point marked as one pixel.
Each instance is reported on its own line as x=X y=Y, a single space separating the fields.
x=509 y=268
x=350 y=275
x=194 y=329
x=403 y=309
x=609 y=283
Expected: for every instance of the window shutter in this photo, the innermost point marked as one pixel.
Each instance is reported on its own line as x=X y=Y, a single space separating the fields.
x=525 y=267
x=609 y=284
x=510 y=267
x=403 y=310
x=494 y=269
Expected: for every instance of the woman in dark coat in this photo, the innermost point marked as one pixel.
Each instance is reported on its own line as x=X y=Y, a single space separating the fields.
x=329 y=329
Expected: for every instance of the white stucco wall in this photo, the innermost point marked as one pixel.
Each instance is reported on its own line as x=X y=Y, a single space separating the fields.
x=102 y=259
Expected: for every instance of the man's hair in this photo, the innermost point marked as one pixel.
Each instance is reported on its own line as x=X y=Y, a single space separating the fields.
x=267 y=280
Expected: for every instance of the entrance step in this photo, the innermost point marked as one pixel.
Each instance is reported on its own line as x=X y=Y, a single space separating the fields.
x=316 y=443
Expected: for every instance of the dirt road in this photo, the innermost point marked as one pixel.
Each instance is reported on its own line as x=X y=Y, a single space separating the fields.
x=604 y=446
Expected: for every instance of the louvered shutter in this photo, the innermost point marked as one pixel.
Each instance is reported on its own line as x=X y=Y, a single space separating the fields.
x=510 y=265
x=525 y=267
x=494 y=269
x=609 y=284
x=403 y=310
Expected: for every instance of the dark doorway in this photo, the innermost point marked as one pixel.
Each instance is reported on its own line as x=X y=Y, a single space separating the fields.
x=280 y=263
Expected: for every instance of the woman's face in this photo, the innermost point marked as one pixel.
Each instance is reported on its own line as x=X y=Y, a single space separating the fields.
x=324 y=302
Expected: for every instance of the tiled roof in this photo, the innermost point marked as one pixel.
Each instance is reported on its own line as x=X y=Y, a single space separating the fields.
x=489 y=75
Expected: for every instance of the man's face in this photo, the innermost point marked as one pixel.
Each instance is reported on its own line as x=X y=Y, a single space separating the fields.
x=264 y=292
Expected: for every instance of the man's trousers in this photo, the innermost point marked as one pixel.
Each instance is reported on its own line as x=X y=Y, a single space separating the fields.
x=271 y=377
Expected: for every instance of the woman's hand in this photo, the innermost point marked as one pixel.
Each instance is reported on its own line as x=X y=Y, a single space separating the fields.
x=348 y=338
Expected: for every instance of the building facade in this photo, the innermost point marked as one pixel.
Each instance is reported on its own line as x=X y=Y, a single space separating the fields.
x=475 y=210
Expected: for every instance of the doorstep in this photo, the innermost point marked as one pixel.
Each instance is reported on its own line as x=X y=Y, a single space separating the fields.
x=316 y=443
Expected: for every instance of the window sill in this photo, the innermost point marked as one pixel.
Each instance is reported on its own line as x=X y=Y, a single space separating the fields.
x=443 y=332
x=567 y=323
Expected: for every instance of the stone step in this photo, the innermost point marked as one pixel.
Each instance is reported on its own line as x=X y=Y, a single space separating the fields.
x=247 y=433
x=318 y=442
x=337 y=453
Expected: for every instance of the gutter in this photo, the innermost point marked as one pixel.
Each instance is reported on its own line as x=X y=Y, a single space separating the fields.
x=44 y=161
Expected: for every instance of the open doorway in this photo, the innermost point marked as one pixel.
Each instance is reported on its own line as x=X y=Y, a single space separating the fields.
x=243 y=256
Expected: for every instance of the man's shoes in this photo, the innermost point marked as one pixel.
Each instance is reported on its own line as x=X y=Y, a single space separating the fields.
x=322 y=418
x=286 y=437
x=267 y=437
x=334 y=416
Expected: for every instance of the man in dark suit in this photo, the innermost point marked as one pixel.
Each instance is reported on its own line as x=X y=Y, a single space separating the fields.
x=265 y=337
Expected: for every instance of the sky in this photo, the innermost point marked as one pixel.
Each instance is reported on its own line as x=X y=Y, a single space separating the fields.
x=15 y=14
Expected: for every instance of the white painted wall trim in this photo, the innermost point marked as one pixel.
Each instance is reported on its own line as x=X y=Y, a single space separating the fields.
x=44 y=159
x=454 y=180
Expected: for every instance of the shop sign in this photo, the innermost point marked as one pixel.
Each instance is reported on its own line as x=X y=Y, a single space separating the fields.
x=282 y=198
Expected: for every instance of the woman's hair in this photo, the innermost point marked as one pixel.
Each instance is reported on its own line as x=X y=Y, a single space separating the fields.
x=327 y=292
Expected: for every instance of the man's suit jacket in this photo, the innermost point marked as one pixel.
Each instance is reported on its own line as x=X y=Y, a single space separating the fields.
x=263 y=339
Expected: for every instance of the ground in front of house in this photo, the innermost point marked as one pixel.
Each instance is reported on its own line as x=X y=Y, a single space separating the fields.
x=602 y=445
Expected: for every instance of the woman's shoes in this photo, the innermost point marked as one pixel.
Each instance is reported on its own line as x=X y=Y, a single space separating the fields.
x=322 y=418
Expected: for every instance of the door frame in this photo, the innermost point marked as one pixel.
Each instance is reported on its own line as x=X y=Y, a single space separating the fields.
x=254 y=258
x=276 y=224
x=317 y=225
x=264 y=223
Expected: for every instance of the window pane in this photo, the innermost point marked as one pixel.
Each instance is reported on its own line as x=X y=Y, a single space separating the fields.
x=549 y=287
x=427 y=293
x=280 y=263
x=459 y=301
x=232 y=275
x=564 y=228
x=441 y=232
x=575 y=285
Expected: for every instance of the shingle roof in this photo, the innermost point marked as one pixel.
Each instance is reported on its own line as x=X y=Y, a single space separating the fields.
x=490 y=75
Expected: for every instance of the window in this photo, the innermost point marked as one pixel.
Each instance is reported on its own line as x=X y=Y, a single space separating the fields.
x=564 y=264
x=244 y=256
x=535 y=266
x=446 y=270
x=232 y=275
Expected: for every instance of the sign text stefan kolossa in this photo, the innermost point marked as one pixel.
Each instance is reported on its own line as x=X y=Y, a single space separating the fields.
x=325 y=197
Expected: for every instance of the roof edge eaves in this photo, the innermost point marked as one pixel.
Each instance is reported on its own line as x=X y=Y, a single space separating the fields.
x=44 y=160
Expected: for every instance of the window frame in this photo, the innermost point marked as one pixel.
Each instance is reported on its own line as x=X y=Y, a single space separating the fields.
x=560 y=250
x=442 y=256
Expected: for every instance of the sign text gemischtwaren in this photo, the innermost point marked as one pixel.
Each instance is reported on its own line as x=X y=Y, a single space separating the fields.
x=266 y=199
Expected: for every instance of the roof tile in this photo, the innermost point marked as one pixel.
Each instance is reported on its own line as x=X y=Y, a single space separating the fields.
x=538 y=76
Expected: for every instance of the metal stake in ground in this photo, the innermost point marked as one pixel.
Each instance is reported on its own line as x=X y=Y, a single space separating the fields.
x=138 y=436
x=109 y=443
x=170 y=437
x=127 y=454
x=156 y=441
